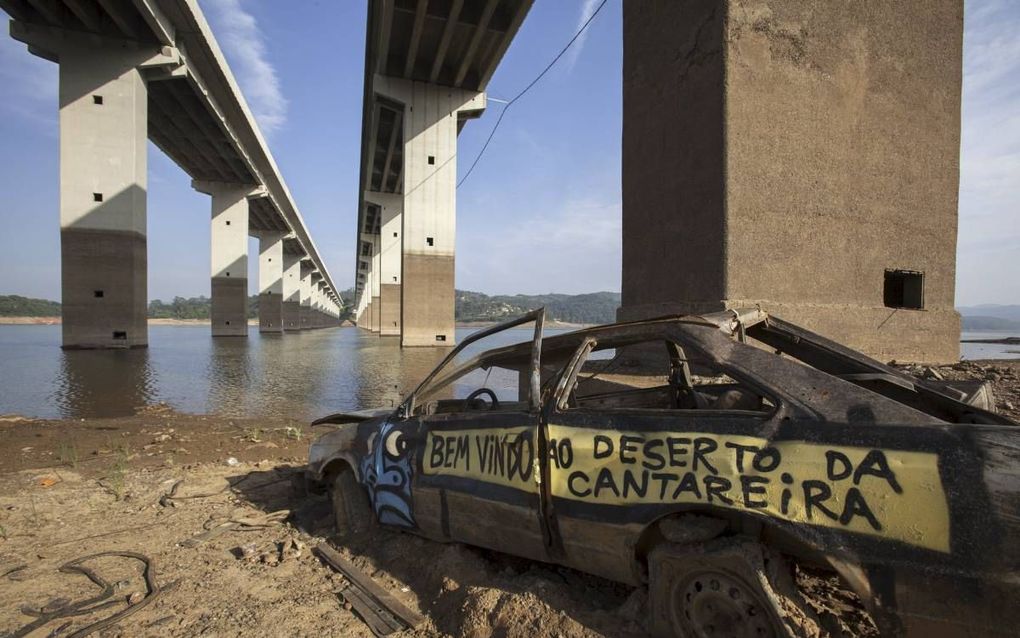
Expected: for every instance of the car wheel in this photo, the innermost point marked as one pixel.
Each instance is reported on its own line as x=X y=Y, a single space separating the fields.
x=725 y=588
x=352 y=512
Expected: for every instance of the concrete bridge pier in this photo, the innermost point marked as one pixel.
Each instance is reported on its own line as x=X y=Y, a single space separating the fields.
x=390 y=212
x=103 y=100
x=799 y=156
x=305 y=312
x=431 y=119
x=229 y=255
x=291 y=291
x=316 y=300
x=271 y=281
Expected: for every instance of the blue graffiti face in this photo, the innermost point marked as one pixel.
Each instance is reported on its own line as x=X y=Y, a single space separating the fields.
x=386 y=472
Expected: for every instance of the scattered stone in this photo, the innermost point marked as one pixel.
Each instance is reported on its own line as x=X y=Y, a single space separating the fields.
x=135 y=598
x=233 y=462
x=932 y=373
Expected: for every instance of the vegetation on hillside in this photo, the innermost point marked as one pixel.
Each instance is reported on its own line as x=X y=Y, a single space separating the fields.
x=17 y=306
x=192 y=308
x=978 y=323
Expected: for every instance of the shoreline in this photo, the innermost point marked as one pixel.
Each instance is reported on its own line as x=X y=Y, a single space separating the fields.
x=52 y=321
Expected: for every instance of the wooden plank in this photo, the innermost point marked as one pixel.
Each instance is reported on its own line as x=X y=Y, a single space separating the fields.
x=377 y=617
x=412 y=618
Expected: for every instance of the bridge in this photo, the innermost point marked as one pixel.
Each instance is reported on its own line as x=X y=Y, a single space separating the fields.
x=427 y=65
x=132 y=70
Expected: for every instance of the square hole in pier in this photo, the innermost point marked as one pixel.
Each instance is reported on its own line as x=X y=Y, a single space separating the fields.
x=440 y=337
x=904 y=289
x=97 y=197
x=226 y=323
x=228 y=222
x=98 y=294
x=120 y=335
x=394 y=234
x=432 y=160
x=228 y=273
x=97 y=99
x=430 y=241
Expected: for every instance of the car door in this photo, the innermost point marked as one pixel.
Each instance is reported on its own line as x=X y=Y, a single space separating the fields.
x=615 y=463
x=476 y=472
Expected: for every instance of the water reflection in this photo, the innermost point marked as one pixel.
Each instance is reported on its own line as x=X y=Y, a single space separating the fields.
x=305 y=375
x=99 y=383
x=387 y=373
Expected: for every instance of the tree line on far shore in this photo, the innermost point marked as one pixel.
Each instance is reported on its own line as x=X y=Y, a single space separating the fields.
x=592 y=308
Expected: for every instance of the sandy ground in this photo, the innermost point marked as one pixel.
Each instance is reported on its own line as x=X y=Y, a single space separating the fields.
x=72 y=488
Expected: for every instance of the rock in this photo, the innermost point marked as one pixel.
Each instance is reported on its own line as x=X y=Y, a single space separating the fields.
x=233 y=462
x=248 y=551
x=932 y=373
x=135 y=598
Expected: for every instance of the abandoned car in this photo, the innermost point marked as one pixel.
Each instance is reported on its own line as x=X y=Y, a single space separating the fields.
x=710 y=458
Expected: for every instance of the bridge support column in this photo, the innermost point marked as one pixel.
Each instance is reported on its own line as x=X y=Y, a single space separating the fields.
x=271 y=282
x=430 y=124
x=316 y=295
x=807 y=163
x=391 y=207
x=229 y=256
x=103 y=133
x=291 y=292
x=306 y=295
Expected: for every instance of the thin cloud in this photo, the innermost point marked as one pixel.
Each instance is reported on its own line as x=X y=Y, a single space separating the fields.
x=570 y=247
x=30 y=85
x=244 y=43
x=990 y=154
x=587 y=9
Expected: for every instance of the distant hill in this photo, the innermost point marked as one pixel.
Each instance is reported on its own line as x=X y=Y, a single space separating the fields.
x=192 y=308
x=15 y=306
x=595 y=307
x=179 y=308
x=990 y=317
x=977 y=322
x=1008 y=312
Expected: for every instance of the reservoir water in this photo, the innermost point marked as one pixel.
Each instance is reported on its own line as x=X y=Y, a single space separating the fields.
x=304 y=375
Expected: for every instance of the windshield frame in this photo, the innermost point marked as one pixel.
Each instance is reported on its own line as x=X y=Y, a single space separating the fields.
x=538 y=316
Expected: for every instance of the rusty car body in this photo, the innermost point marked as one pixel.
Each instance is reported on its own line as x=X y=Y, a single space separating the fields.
x=902 y=486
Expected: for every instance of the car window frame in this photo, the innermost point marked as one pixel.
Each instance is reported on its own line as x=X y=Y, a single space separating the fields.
x=406 y=409
x=568 y=378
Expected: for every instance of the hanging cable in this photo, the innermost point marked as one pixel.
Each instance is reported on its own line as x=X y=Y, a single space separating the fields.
x=528 y=88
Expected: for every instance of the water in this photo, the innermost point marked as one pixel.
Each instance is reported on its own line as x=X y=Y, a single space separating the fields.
x=989 y=350
x=304 y=375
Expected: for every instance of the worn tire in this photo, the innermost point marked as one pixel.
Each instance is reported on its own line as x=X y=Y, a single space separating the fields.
x=725 y=587
x=353 y=517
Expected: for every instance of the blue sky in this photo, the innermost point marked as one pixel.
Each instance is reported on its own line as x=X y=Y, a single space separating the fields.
x=540 y=213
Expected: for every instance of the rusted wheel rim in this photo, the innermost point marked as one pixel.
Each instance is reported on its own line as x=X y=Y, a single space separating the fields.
x=717 y=604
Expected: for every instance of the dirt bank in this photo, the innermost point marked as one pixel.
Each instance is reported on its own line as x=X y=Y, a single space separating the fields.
x=57 y=505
